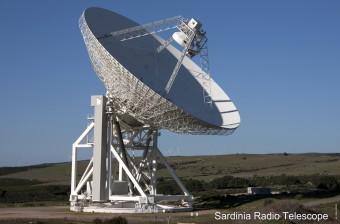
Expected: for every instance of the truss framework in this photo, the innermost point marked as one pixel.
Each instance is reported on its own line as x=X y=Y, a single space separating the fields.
x=133 y=97
x=106 y=188
x=204 y=61
x=143 y=30
x=195 y=42
x=189 y=40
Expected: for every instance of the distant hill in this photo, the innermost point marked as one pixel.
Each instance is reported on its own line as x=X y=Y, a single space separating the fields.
x=201 y=167
x=15 y=169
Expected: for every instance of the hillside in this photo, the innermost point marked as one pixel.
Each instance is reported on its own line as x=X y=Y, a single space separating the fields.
x=309 y=181
x=201 y=167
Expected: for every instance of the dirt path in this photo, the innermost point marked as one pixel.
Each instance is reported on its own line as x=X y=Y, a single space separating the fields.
x=53 y=212
x=323 y=201
x=63 y=212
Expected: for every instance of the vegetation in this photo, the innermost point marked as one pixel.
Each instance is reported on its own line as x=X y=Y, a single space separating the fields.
x=37 y=193
x=321 y=182
x=9 y=170
x=229 y=182
x=210 y=178
x=9 y=182
x=114 y=220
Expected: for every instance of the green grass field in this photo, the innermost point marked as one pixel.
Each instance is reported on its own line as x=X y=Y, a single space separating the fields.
x=48 y=184
x=203 y=167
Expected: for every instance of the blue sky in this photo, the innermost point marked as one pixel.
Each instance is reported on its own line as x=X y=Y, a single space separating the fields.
x=279 y=61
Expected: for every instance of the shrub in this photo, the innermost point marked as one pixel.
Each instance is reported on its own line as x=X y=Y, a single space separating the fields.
x=97 y=221
x=116 y=220
x=267 y=202
x=168 y=186
x=298 y=197
x=195 y=185
x=229 y=182
x=327 y=182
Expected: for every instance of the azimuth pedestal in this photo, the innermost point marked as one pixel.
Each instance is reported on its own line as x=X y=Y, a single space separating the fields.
x=114 y=181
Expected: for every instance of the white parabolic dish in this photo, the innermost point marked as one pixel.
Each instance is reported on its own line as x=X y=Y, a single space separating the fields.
x=135 y=76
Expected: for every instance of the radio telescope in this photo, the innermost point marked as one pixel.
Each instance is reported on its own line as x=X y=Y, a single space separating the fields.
x=151 y=85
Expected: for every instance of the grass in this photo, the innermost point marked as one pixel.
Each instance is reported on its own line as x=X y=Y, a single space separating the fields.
x=203 y=167
x=204 y=216
x=249 y=165
x=58 y=173
x=329 y=209
x=34 y=204
x=199 y=168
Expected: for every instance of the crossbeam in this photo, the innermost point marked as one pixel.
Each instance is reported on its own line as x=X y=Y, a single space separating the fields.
x=136 y=186
x=143 y=30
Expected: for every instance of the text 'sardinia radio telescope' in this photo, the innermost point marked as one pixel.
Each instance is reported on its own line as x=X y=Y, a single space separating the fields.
x=151 y=85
